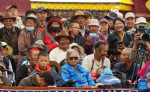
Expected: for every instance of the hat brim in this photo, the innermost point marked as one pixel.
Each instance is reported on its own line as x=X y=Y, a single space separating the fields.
x=74 y=17
x=13 y=18
x=141 y=22
x=56 y=38
x=54 y=63
x=80 y=48
x=109 y=17
x=24 y=19
x=47 y=19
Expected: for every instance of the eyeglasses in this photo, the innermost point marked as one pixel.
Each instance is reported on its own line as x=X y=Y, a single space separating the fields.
x=76 y=28
x=71 y=58
x=11 y=11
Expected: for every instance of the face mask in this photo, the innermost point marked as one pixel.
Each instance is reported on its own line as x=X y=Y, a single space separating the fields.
x=55 y=29
x=30 y=28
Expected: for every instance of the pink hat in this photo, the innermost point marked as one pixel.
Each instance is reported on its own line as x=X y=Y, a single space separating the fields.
x=7 y=8
x=103 y=20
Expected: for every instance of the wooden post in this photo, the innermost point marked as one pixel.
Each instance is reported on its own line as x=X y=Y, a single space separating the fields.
x=1 y=83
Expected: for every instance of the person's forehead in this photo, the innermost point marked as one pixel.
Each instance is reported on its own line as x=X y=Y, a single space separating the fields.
x=78 y=17
x=62 y=38
x=42 y=11
x=30 y=20
x=129 y=18
x=12 y=8
x=8 y=20
x=103 y=23
x=73 y=54
x=76 y=25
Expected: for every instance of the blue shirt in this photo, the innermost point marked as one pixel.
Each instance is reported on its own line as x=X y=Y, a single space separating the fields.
x=82 y=77
x=9 y=32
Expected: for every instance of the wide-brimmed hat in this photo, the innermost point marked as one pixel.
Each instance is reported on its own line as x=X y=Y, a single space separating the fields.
x=7 y=8
x=63 y=34
x=140 y=20
x=31 y=16
x=78 y=46
x=7 y=15
x=79 y=13
x=58 y=67
x=111 y=15
x=50 y=16
x=93 y=22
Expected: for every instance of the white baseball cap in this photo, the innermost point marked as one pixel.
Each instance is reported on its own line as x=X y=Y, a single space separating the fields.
x=140 y=20
x=129 y=14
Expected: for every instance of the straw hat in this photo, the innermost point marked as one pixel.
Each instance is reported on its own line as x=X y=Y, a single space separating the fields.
x=7 y=15
x=79 y=13
x=31 y=16
x=58 y=67
x=93 y=22
x=63 y=34
x=80 y=48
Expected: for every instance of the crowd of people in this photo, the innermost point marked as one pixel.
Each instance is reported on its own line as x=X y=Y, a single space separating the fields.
x=78 y=51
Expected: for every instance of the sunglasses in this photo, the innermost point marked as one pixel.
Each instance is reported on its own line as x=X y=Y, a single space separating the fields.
x=71 y=58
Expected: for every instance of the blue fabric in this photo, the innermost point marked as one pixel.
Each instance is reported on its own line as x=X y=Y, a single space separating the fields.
x=108 y=80
x=9 y=32
x=121 y=68
x=106 y=71
x=26 y=63
x=82 y=77
x=59 y=81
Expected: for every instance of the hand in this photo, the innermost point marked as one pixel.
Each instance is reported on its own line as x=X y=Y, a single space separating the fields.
x=88 y=38
x=10 y=84
x=65 y=29
x=93 y=86
x=136 y=38
x=85 y=86
x=119 y=50
x=97 y=39
x=147 y=45
x=121 y=46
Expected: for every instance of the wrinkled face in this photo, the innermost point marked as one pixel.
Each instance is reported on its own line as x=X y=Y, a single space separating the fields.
x=118 y=26
x=13 y=11
x=33 y=57
x=110 y=22
x=130 y=22
x=104 y=26
x=1 y=51
x=72 y=59
x=55 y=24
x=8 y=23
x=43 y=62
x=63 y=42
x=30 y=23
x=103 y=52
x=80 y=20
x=93 y=28
x=75 y=29
x=42 y=15
x=124 y=56
x=5 y=52
x=42 y=83
x=76 y=49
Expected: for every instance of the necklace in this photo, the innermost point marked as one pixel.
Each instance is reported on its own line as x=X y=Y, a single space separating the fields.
x=97 y=63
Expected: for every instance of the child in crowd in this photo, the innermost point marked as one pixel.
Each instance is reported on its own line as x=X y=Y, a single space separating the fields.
x=43 y=65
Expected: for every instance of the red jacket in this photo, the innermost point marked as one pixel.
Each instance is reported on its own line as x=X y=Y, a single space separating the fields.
x=48 y=43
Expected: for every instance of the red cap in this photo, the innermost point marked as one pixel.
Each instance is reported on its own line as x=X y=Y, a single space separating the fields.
x=11 y=6
x=103 y=20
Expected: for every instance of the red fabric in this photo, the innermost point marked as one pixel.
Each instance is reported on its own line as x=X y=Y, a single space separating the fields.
x=33 y=49
x=143 y=70
x=102 y=42
x=48 y=43
x=94 y=76
x=48 y=68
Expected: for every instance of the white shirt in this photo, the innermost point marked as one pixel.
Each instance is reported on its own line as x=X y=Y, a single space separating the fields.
x=89 y=60
x=57 y=55
x=83 y=31
x=18 y=25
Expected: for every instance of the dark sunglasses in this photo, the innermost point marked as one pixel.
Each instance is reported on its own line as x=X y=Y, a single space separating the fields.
x=71 y=58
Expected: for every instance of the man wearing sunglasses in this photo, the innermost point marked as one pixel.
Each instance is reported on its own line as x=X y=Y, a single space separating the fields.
x=98 y=59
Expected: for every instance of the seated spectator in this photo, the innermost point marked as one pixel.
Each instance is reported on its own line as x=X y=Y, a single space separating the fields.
x=104 y=27
x=53 y=28
x=93 y=27
x=27 y=66
x=29 y=35
x=42 y=80
x=98 y=58
x=7 y=52
x=28 y=12
x=43 y=65
x=75 y=72
x=80 y=51
x=59 y=53
x=74 y=32
x=9 y=73
x=126 y=66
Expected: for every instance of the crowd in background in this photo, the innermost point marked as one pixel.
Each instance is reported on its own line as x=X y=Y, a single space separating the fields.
x=78 y=51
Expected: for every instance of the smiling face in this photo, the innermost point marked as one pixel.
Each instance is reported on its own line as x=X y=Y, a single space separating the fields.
x=63 y=43
x=30 y=23
x=93 y=28
x=130 y=22
x=118 y=26
x=103 y=52
x=8 y=23
x=33 y=57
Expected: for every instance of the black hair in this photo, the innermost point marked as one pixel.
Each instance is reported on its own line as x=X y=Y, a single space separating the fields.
x=49 y=77
x=75 y=47
x=30 y=11
x=103 y=67
x=119 y=19
x=42 y=53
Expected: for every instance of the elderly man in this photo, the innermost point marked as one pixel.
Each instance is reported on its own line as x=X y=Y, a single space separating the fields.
x=59 y=53
x=10 y=33
x=97 y=59
x=13 y=10
x=80 y=18
x=41 y=14
x=126 y=66
x=29 y=35
x=27 y=66
x=130 y=20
